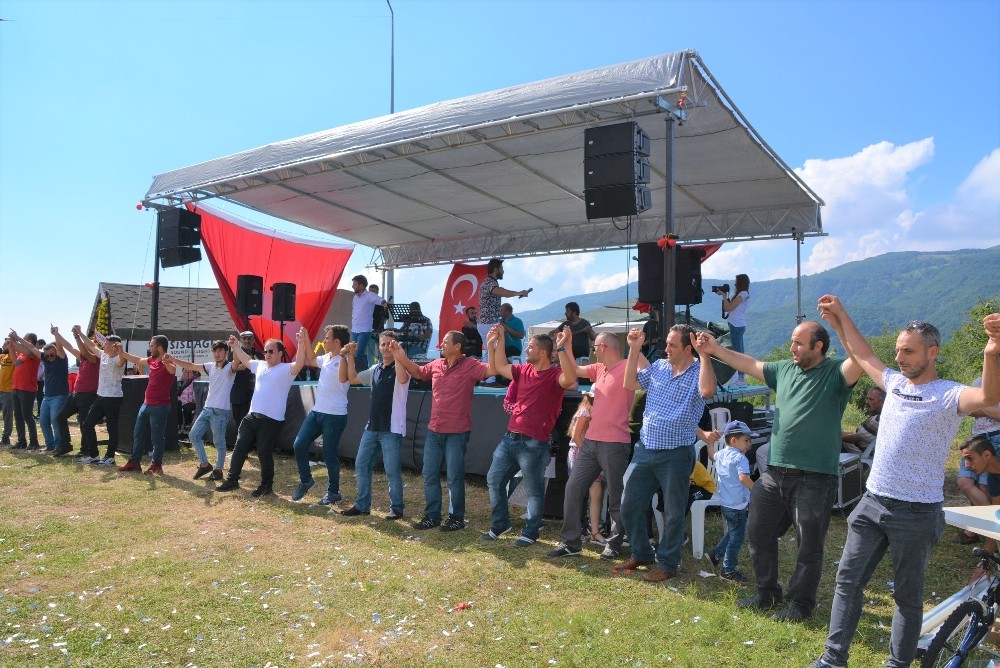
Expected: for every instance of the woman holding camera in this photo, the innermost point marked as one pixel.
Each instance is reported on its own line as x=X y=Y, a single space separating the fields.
x=735 y=310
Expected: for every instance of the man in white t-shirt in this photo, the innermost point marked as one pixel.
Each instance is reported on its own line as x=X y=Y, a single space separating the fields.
x=390 y=385
x=901 y=509
x=362 y=307
x=215 y=413
x=328 y=416
x=272 y=381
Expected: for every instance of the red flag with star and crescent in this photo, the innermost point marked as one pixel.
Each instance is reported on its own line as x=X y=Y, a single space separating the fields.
x=460 y=292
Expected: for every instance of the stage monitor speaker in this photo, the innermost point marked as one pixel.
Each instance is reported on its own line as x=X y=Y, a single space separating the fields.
x=283 y=302
x=249 y=294
x=179 y=256
x=178 y=227
x=687 y=284
x=618 y=138
x=617 y=201
x=613 y=170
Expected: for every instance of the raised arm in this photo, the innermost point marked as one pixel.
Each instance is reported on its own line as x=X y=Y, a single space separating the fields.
x=23 y=346
x=239 y=355
x=184 y=364
x=706 y=372
x=59 y=340
x=567 y=365
x=988 y=395
x=303 y=346
x=738 y=361
x=399 y=354
x=499 y=364
x=863 y=358
x=504 y=292
x=129 y=357
x=347 y=373
x=635 y=340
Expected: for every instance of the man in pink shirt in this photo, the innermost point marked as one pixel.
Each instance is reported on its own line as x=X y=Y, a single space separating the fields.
x=151 y=422
x=606 y=448
x=454 y=377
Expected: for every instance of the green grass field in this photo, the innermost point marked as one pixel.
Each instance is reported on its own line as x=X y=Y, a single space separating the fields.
x=99 y=568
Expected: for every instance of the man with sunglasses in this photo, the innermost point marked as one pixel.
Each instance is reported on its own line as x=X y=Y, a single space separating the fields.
x=901 y=511
x=606 y=448
x=272 y=381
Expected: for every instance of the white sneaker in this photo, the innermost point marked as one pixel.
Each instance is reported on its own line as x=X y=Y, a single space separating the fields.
x=107 y=461
x=88 y=460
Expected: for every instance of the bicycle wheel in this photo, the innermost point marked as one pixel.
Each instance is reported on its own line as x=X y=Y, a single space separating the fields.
x=957 y=639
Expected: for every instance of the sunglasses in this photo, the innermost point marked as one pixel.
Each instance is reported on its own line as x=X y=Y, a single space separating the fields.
x=270 y=350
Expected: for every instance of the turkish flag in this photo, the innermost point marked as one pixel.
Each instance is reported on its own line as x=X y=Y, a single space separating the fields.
x=460 y=292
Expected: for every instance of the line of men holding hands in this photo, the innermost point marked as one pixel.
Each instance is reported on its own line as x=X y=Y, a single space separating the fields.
x=900 y=511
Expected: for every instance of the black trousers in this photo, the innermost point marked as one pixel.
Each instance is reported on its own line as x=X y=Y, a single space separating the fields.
x=24 y=416
x=107 y=409
x=78 y=403
x=262 y=431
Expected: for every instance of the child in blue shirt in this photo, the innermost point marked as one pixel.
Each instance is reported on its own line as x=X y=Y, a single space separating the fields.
x=733 y=471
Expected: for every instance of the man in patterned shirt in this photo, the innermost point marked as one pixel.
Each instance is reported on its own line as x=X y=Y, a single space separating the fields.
x=901 y=509
x=490 y=294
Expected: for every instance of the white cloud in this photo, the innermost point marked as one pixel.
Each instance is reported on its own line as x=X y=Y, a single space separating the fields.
x=983 y=183
x=602 y=283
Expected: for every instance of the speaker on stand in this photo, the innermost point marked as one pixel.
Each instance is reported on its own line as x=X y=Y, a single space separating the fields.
x=283 y=306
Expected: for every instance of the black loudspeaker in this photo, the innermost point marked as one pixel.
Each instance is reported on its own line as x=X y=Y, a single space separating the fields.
x=249 y=294
x=610 y=170
x=613 y=201
x=687 y=284
x=618 y=138
x=283 y=302
x=179 y=256
x=178 y=227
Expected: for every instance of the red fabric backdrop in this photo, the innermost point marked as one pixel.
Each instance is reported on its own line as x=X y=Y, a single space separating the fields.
x=460 y=292
x=315 y=267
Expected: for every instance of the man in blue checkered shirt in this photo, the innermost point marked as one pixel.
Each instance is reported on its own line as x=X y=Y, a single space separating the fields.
x=676 y=389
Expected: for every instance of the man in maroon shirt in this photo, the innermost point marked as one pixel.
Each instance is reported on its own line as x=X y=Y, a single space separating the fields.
x=26 y=364
x=151 y=422
x=525 y=444
x=84 y=392
x=454 y=377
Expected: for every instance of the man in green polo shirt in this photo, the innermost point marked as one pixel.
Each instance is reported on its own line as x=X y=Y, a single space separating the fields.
x=800 y=483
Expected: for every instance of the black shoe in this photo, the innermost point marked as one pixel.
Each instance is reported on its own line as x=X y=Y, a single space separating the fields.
x=453 y=524
x=562 y=550
x=228 y=486
x=791 y=613
x=426 y=523
x=329 y=499
x=354 y=511
x=734 y=576
x=217 y=474
x=714 y=559
x=393 y=516
x=4 y=441
x=34 y=447
x=203 y=470
x=264 y=489
x=62 y=450
x=19 y=446
x=759 y=602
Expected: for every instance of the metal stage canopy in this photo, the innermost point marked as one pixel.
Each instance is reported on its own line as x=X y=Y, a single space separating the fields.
x=500 y=174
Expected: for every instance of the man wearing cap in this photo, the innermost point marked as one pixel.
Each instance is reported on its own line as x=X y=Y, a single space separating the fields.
x=676 y=389
x=901 y=509
x=362 y=313
x=605 y=449
x=800 y=482
x=242 y=392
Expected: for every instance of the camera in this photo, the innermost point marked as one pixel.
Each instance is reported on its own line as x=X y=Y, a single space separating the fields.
x=721 y=289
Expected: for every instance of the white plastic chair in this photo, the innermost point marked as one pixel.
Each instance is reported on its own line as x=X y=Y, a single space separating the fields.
x=720 y=417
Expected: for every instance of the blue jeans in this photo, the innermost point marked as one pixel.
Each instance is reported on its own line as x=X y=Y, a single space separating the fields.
x=361 y=354
x=150 y=425
x=736 y=339
x=909 y=531
x=364 y=464
x=732 y=541
x=449 y=449
x=331 y=426
x=529 y=455
x=669 y=470
x=779 y=500
x=50 y=425
x=216 y=419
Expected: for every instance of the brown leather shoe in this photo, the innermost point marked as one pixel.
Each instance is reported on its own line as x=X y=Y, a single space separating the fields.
x=630 y=565
x=658 y=575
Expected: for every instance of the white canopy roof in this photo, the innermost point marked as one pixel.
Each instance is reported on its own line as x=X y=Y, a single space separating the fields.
x=500 y=174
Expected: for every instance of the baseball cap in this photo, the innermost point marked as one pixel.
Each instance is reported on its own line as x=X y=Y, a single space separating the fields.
x=246 y=334
x=737 y=427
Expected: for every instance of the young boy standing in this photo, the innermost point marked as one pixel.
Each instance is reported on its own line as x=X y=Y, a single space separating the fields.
x=733 y=471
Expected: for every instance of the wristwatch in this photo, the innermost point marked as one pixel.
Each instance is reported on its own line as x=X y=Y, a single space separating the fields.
x=561 y=349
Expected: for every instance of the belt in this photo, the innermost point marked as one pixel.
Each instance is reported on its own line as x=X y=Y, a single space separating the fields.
x=787 y=471
x=889 y=503
x=261 y=416
x=517 y=436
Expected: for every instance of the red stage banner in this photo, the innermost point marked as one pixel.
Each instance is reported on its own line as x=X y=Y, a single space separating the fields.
x=236 y=247
x=461 y=291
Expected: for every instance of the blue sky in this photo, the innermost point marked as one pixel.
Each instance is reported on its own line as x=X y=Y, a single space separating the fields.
x=889 y=110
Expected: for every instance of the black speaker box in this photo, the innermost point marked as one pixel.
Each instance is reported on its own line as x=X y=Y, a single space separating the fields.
x=249 y=294
x=616 y=169
x=618 y=138
x=616 y=201
x=283 y=302
x=179 y=256
x=178 y=227
x=687 y=285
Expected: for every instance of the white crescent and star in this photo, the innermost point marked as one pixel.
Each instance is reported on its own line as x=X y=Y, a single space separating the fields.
x=464 y=278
